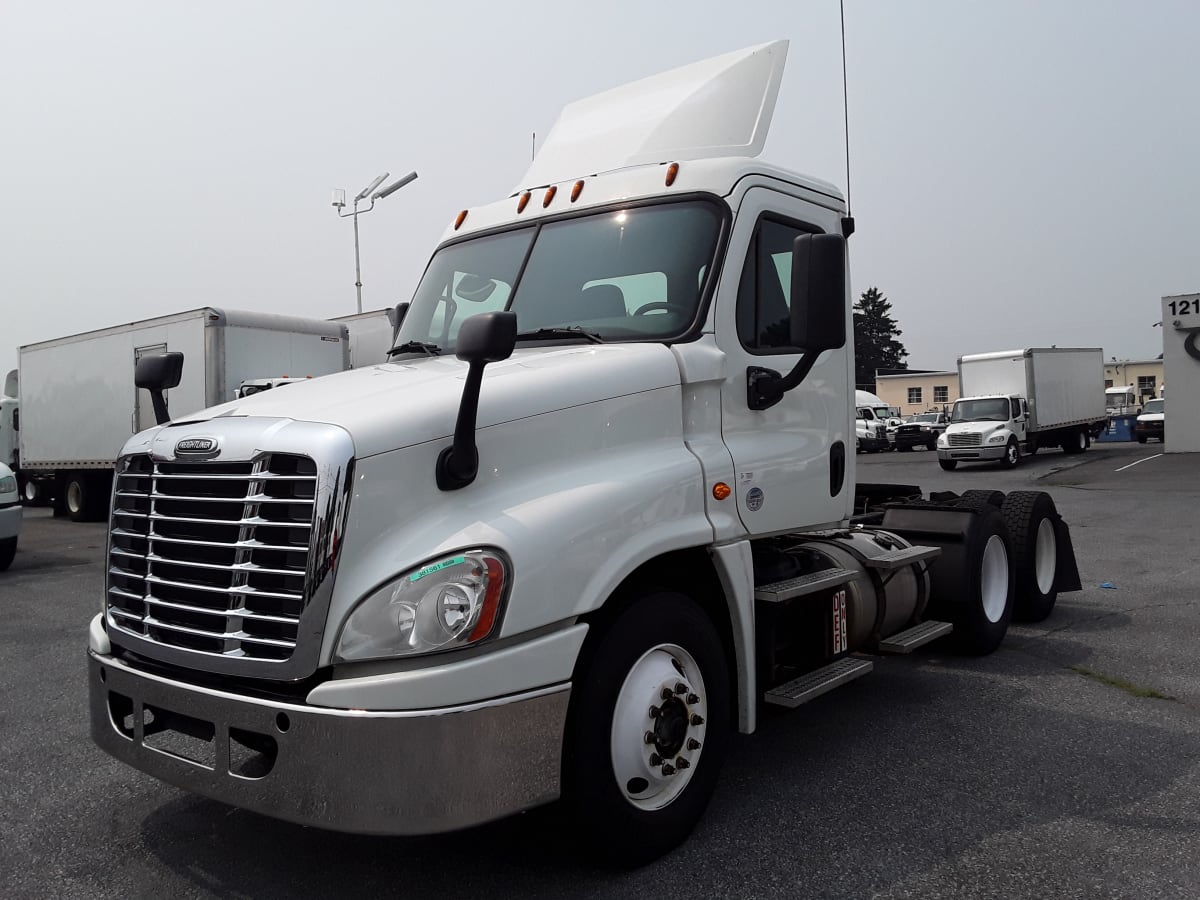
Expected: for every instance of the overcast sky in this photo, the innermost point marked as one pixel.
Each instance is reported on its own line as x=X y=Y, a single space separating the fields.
x=1023 y=174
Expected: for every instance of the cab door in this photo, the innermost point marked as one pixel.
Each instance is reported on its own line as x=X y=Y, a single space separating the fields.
x=793 y=460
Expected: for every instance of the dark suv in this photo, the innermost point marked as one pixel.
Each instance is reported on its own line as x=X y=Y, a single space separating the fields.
x=921 y=431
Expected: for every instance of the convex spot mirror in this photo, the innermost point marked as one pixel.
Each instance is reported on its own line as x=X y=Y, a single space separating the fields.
x=818 y=307
x=158 y=373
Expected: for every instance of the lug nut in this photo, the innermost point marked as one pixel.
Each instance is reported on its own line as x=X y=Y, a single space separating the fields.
x=655 y=759
x=648 y=737
x=693 y=744
x=680 y=687
x=693 y=698
x=681 y=763
x=667 y=693
x=697 y=719
x=668 y=769
x=654 y=712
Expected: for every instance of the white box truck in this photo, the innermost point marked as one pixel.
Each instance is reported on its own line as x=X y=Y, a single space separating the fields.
x=1016 y=402
x=371 y=336
x=79 y=405
x=597 y=509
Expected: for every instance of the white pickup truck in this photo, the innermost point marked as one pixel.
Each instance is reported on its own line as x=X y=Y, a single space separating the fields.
x=599 y=507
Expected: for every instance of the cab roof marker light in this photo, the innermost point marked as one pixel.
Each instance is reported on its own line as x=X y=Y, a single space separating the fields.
x=576 y=191
x=462 y=217
x=549 y=198
x=523 y=202
x=672 y=172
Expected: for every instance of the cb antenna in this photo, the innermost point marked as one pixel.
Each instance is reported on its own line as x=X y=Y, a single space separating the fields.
x=848 y=220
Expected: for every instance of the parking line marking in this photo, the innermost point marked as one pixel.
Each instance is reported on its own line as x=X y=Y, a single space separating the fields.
x=1132 y=464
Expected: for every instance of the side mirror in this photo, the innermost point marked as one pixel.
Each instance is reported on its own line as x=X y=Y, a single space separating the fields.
x=484 y=338
x=396 y=318
x=818 y=309
x=157 y=374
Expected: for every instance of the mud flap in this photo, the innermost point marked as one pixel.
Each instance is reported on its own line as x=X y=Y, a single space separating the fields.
x=1067 y=575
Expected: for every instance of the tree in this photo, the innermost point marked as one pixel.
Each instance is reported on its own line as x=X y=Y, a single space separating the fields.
x=876 y=344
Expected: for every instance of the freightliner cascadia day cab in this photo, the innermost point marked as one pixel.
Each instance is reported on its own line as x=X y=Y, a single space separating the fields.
x=597 y=510
x=1016 y=402
x=79 y=404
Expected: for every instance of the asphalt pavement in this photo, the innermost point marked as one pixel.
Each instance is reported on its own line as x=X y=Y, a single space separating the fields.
x=1066 y=764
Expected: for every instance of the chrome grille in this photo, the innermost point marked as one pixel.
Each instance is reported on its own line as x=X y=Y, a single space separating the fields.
x=212 y=556
x=965 y=439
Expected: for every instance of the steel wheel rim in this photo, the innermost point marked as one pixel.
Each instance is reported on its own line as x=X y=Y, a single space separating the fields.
x=74 y=497
x=647 y=779
x=1045 y=556
x=993 y=579
x=31 y=491
x=1012 y=454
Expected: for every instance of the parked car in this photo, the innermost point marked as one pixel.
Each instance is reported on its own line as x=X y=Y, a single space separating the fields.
x=10 y=516
x=921 y=430
x=1152 y=422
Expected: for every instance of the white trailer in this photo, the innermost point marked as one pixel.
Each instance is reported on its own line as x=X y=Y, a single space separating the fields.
x=1016 y=402
x=9 y=421
x=599 y=508
x=371 y=335
x=78 y=403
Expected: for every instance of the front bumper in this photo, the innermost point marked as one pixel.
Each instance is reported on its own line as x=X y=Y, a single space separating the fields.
x=972 y=454
x=915 y=438
x=402 y=773
x=10 y=522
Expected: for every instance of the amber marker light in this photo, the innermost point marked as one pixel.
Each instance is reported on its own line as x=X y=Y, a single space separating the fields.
x=523 y=202
x=721 y=490
x=550 y=192
x=462 y=217
x=576 y=191
x=672 y=172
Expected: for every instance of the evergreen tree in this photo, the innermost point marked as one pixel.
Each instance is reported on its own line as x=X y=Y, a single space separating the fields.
x=876 y=344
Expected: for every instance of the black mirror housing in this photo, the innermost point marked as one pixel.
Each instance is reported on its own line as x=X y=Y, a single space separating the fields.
x=818 y=308
x=158 y=373
x=487 y=337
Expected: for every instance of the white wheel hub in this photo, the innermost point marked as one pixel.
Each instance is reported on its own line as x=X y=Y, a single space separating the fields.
x=74 y=497
x=1045 y=556
x=658 y=727
x=993 y=579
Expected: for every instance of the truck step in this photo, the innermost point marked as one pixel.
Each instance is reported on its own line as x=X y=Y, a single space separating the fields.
x=918 y=636
x=905 y=556
x=821 y=681
x=792 y=588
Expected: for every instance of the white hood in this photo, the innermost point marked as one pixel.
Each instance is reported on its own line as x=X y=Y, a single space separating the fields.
x=395 y=405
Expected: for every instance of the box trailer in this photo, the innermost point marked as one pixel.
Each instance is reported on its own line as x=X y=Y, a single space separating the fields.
x=1016 y=402
x=78 y=404
x=371 y=336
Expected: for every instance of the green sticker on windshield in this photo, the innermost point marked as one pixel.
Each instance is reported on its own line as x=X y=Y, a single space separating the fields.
x=436 y=567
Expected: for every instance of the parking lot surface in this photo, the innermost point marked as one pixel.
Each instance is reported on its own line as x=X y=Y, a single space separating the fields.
x=1067 y=764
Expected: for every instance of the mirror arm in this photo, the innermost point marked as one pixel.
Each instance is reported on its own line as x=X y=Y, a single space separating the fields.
x=766 y=387
x=458 y=464
x=161 y=416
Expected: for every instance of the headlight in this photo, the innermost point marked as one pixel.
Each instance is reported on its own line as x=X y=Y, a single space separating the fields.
x=941 y=441
x=450 y=602
x=8 y=485
x=997 y=438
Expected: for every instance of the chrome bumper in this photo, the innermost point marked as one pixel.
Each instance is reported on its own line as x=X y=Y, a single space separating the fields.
x=412 y=772
x=972 y=454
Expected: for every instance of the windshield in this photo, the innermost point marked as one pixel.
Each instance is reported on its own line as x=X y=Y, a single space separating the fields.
x=1153 y=406
x=925 y=417
x=994 y=409
x=633 y=274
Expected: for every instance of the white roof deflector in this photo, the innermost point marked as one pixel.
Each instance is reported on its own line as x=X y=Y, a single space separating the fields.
x=716 y=107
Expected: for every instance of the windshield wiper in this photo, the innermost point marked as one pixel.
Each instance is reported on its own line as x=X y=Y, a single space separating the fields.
x=413 y=347
x=573 y=331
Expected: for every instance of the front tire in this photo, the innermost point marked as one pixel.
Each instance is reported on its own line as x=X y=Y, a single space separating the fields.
x=648 y=728
x=948 y=465
x=1012 y=454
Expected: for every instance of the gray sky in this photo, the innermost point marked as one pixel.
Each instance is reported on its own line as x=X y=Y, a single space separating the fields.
x=1023 y=173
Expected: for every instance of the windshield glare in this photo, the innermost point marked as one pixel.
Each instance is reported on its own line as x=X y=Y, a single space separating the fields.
x=1153 y=406
x=995 y=409
x=635 y=274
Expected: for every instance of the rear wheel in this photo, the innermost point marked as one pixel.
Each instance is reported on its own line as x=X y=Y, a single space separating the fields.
x=948 y=464
x=1142 y=439
x=76 y=496
x=1076 y=443
x=1031 y=517
x=648 y=727
x=973 y=584
x=973 y=497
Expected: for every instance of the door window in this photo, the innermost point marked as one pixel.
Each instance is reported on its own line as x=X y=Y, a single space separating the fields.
x=764 y=293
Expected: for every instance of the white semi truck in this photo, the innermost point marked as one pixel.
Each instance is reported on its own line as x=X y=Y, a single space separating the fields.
x=79 y=405
x=597 y=510
x=1016 y=402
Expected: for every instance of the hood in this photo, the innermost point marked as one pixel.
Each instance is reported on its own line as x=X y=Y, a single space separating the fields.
x=394 y=405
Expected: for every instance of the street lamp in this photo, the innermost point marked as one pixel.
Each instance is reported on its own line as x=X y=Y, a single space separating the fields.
x=339 y=203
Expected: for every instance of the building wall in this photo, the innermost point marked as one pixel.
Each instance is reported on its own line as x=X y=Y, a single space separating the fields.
x=1123 y=372
x=898 y=391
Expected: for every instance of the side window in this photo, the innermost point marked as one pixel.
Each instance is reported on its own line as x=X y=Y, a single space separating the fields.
x=764 y=293
x=1016 y=407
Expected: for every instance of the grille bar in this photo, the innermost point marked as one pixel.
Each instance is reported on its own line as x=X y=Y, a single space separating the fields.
x=202 y=555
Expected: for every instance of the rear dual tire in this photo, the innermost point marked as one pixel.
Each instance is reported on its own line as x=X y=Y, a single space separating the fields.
x=1032 y=518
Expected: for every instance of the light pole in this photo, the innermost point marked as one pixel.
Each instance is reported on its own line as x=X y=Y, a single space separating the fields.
x=339 y=203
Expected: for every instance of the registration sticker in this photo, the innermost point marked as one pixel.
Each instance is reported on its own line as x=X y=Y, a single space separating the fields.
x=839 y=621
x=436 y=567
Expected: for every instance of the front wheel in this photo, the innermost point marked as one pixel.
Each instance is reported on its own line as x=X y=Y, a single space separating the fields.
x=648 y=728
x=948 y=465
x=1012 y=454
